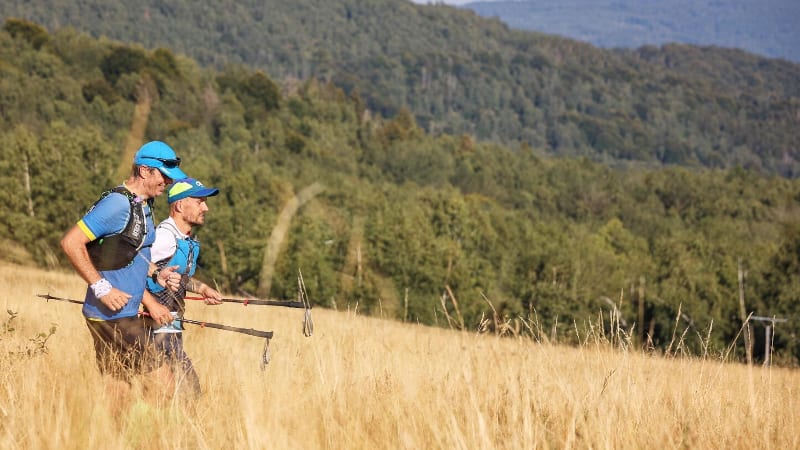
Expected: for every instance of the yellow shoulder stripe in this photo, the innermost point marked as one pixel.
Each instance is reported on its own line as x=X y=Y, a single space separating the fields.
x=86 y=230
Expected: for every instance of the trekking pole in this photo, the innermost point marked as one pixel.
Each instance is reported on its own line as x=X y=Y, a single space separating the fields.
x=255 y=301
x=302 y=297
x=267 y=335
x=302 y=302
x=265 y=358
x=50 y=297
x=218 y=326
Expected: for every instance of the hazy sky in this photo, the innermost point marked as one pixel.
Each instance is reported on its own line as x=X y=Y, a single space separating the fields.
x=449 y=2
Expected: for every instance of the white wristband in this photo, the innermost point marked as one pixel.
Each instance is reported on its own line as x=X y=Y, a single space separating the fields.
x=101 y=287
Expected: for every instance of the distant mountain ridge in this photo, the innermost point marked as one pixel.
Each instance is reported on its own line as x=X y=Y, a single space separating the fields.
x=768 y=28
x=459 y=73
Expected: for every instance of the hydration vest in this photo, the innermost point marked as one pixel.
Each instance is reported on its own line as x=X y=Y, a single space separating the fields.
x=185 y=257
x=118 y=250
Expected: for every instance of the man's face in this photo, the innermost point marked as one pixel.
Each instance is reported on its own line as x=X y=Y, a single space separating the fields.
x=155 y=182
x=193 y=210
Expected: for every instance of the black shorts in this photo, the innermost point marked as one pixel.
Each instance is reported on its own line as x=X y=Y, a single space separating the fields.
x=124 y=347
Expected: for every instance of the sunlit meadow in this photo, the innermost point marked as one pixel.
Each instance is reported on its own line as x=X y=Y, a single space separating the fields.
x=364 y=382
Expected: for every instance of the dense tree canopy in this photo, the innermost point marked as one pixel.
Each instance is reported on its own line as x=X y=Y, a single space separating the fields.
x=459 y=73
x=406 y=216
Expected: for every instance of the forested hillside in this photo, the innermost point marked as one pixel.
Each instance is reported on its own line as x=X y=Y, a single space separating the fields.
x=403 y=222
x=767 y=28
x=460 y=73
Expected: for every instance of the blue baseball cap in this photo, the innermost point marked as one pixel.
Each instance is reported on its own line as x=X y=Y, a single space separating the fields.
x=161 y=156
x=189 y=187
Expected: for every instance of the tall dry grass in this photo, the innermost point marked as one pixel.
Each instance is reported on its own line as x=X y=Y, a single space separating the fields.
x=362 y=382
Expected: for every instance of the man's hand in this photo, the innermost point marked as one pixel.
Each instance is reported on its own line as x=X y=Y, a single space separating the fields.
x=115 y=300
x=167 y=278
x=210 y=295
x=160 y=314
x=155 y=310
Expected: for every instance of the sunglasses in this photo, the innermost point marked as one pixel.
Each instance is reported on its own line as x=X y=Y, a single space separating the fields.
x=168 y=163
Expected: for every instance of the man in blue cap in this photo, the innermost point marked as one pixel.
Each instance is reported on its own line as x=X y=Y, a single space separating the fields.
x=110 y=249
x=175 y=246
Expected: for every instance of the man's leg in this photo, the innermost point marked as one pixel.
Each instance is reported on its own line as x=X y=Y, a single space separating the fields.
x=110 y=362
x=125 y=349
x=118 y=393
x=185 y=377
x=157 y=376
x=188 y=374
x=159 y=384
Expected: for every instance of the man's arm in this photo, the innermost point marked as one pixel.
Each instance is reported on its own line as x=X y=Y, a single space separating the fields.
x=210 y=295
x=74 y=245
x=157 y=311
x=164 y=247
x=166 y=278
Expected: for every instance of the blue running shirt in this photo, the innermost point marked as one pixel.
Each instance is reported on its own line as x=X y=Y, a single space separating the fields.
x=110 y=216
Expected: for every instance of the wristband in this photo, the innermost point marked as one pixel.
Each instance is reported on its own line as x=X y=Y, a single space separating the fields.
x=101 y=287
x=154 y=276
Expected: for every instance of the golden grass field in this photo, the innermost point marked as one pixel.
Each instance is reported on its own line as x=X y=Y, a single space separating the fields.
x=366 y=383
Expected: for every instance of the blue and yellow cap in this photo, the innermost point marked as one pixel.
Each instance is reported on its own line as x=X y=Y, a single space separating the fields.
x=189 y=187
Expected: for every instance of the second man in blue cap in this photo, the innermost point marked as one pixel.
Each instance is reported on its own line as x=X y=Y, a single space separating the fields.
x=175 y=245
